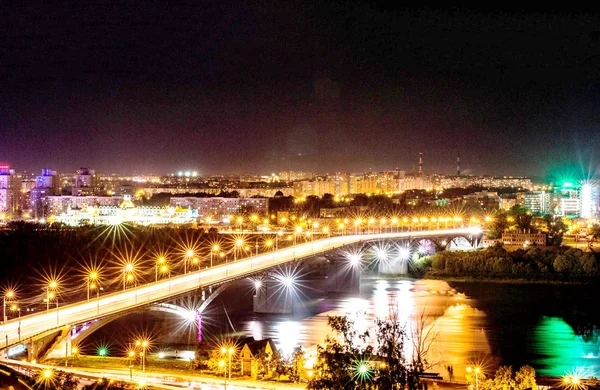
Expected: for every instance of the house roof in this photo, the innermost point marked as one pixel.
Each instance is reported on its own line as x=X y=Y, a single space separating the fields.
x=259 y=345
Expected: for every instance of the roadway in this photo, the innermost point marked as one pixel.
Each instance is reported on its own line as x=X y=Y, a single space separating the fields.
x=114 y=303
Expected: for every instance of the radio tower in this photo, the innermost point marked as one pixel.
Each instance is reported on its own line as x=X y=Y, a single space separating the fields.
x=458 y=165
x=420 y=163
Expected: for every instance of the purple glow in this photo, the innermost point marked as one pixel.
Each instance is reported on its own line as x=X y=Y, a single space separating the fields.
x=199 y=320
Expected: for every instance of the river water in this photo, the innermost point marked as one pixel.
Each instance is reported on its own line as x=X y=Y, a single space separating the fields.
x=551 y=327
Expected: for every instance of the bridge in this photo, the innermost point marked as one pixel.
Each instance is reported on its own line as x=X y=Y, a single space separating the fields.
x=35 y=326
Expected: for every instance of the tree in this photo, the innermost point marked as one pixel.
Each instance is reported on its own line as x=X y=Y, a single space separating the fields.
x=562 y=263
x=336 y=360
x=297 y=360
x=498 y=226
x=347 y=362
x=555 y=228
x=521 y=217
x=68 y=382
x=422 y=337
x=525 y=378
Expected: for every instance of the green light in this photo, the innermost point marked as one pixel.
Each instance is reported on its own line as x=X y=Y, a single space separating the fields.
x=102 y=352
x=567 y=184
x=560 y=349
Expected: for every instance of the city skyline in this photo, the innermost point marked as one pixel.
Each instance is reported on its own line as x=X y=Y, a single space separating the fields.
x=301 y=86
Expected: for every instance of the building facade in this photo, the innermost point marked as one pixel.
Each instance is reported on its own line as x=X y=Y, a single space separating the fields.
x=9 y=192
x=220 y=208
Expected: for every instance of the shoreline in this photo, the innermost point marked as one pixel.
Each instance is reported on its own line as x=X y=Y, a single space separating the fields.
x=472 y=279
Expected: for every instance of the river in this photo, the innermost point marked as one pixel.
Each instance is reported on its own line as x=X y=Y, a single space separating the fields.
x=554 y=328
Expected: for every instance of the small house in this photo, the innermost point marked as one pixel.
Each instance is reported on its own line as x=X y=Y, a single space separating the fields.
x=250 y=354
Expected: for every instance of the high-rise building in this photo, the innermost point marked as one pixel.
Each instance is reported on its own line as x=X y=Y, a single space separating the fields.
x=46 y=184
x=588 y=195
x=86 y=183
x=537 y=202
x=9 y=191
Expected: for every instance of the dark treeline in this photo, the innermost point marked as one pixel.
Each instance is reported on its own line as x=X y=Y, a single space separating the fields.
x=534 y=263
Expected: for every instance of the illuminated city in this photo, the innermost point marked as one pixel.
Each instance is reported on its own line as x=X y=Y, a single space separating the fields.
x=299 y=195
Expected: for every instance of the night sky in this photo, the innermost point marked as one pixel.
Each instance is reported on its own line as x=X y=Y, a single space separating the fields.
x=227 y=87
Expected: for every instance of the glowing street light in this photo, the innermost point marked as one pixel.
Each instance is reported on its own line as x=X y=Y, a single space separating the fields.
x=127 y=275
x=404 y=253
x=159 y=263
x=143 y=344
x=354 y=259
x=215 y=249
x=10 y=294
x=477 y=370
x=92 y=277
x=189 y=254
x=238 y=243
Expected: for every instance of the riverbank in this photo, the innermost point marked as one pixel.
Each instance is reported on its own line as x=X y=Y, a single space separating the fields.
x=472 y=279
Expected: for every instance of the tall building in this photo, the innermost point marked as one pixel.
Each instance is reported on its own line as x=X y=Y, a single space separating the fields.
x=588 y=195
x=46 y=184
x=86 y=183
x=218 y=207
x=9 y=191
x=537 y=202
x=62 y=204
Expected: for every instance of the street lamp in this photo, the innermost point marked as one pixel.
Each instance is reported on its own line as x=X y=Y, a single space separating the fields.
x=269 y=243
x=188 y=255
x=144 y=345
x=92 y=277
x=16 y=308
x=127 y=276
x=231 y=351
x=238 y=243
x=477 y=370
x=10 y=294
x=215 y=248
x=297 y=231
x=49 y=295
x=160 y=262
x=222 y=364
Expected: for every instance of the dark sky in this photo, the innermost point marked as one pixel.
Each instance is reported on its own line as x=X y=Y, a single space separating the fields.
x=226 y=87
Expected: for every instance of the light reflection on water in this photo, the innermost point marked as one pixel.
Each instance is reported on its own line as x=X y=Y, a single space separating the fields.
x=460 y=329
x=561 y=350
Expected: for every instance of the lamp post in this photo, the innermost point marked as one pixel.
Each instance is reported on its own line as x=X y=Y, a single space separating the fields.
x=144 y=345
x=16 y=308
x=160 y=262
x=93 y=276
x=477 y=370
x=238 y=243
x=10 y=295
x=49 y=295
x=215 y=248
x=127 y=275
x=188 y=255
x=222 y=364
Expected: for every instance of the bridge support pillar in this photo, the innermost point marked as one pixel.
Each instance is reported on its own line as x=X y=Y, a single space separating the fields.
x=342 y=275
x=393 y=266
x=273 y=298
x=62 y=349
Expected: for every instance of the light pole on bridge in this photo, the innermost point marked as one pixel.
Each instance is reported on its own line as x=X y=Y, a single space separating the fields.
x=10 y=294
